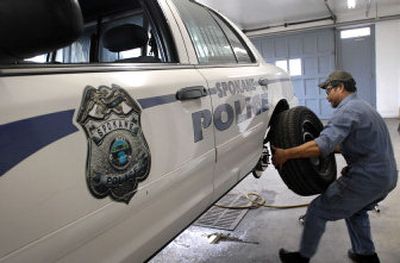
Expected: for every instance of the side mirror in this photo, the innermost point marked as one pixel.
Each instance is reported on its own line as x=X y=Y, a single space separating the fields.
x=33 y=27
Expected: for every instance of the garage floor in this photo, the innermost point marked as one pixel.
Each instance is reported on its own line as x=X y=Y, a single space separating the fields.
x=276 y=228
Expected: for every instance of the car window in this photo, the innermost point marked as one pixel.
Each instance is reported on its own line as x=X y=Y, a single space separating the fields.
x=123 y=34
x=117 y=51
x=77 y=52
x=106 y=55
x=210 y=42
x=241 y=51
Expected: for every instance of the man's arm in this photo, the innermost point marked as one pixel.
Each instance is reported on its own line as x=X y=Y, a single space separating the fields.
x=306 y=150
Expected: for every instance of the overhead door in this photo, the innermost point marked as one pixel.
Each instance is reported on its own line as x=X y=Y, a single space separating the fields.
x=309 y=57
x=356 y=54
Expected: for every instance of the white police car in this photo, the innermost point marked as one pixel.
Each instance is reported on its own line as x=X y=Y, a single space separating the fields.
x=122 y=121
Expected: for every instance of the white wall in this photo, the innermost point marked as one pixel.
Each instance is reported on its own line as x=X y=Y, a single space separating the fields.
x=387 y=37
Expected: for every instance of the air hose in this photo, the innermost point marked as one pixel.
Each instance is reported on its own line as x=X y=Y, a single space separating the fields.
x=257 y=201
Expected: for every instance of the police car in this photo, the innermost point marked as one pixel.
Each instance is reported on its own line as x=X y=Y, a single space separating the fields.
x=122 y=121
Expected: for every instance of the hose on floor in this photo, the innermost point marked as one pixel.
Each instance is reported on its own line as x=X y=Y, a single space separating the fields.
x=257 y=201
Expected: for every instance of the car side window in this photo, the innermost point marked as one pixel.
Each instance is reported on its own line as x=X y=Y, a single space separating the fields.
x=117 y=32
x=243 y=54
x=210 y=42
x=123 y=39
x=77 y=52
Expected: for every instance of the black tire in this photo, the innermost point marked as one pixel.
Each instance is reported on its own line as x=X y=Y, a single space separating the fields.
x=308 y=176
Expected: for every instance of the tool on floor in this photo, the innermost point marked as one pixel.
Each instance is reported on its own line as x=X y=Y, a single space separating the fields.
x=215 y=238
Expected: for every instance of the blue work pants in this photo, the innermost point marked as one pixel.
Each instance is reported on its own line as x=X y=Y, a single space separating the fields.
x=344 y=199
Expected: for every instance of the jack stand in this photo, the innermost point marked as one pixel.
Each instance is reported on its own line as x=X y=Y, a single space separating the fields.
x=263 y=163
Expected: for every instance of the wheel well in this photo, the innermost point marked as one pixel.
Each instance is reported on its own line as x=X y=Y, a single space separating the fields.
x=281 y=106
x=262 y=164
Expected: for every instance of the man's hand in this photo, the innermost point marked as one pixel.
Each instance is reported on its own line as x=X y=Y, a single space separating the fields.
x=279 y=157
x=306 y=150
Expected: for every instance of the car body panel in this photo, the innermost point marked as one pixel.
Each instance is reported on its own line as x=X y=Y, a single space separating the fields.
x=49 y=210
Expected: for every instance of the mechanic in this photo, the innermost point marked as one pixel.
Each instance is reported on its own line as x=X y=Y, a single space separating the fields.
x=358 y=132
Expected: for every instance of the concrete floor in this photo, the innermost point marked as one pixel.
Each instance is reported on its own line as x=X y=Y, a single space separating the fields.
x=274 y=228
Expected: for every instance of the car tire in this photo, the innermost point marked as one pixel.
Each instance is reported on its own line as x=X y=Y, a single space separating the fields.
x=307 y=176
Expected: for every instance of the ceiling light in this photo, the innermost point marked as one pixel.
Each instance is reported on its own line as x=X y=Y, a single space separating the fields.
x=351 y=4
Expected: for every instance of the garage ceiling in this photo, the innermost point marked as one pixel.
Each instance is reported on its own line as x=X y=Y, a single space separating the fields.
x=257 y=14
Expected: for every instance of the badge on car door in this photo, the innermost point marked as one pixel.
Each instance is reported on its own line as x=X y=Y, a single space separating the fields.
x=118 y=155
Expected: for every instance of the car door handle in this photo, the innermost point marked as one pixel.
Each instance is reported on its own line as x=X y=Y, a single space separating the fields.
x=191 y=93
x=263 y=82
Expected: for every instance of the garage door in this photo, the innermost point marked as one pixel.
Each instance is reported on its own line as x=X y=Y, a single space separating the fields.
x=309 y=57
x=356 y=54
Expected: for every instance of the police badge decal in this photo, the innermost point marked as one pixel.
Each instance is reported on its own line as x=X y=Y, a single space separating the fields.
x=118 y=157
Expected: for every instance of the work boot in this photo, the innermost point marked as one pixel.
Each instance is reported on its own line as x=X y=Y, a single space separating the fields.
x=363 y=258
x=292 y=257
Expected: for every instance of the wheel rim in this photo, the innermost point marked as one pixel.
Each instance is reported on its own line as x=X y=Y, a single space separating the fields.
x=309 y=133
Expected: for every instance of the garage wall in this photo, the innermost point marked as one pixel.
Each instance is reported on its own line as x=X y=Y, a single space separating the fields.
x=316 y=52
x=388 y=68
x=387 y=45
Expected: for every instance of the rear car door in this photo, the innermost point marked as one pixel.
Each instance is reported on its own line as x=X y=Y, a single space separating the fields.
x=99 y=161
x=240 y=104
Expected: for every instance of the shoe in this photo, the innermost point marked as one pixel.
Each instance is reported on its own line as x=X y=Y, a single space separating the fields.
x=363 y=258
x=292 y=257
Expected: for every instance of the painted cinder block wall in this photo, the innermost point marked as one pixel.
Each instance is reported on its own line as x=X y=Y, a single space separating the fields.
x=388 y=68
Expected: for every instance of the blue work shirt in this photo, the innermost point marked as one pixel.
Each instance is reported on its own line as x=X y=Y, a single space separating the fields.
x=365 y=143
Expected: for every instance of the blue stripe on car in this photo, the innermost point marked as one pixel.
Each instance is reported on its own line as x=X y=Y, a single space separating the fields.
x=20 y=139
x=156 y=101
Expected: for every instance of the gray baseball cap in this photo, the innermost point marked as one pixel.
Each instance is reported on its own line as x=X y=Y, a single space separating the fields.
x=337 y=75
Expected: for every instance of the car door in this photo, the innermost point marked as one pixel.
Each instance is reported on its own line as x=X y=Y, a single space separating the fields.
x=240 y=104
x=99 y=158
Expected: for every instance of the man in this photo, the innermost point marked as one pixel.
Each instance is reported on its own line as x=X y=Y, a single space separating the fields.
x=361 y=135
